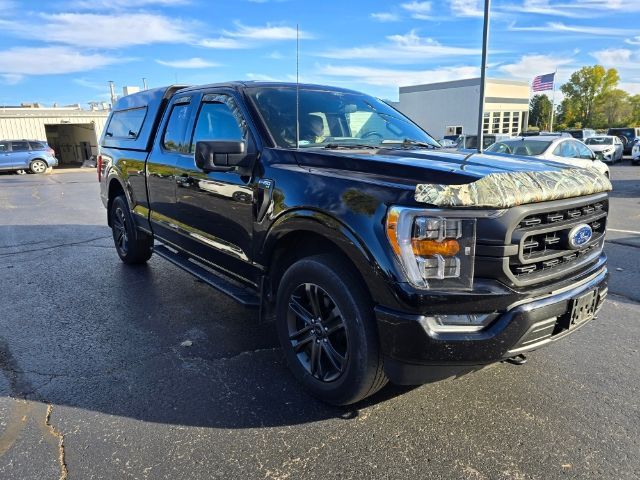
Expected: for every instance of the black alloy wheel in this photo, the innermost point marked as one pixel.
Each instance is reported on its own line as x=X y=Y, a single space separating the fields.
x=317 y=332
x=133 y=246
x=327 y=329
x=119 y=228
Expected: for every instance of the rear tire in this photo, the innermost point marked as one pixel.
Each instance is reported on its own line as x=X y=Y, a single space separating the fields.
x=38 y=166
x=133 y=246
x=327 y=330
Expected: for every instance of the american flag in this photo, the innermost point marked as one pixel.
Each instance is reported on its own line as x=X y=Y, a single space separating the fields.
x=543 y=82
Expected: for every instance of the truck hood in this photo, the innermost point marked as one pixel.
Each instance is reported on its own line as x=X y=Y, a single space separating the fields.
x=452 y=179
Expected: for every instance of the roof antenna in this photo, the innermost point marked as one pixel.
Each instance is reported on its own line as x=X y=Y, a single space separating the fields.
x=297 y=86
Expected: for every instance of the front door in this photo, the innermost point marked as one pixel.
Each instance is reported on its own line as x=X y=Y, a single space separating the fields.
x=172 y=146
x=216 y=208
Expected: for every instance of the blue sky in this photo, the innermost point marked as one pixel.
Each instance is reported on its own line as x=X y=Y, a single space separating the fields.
x=67 y=51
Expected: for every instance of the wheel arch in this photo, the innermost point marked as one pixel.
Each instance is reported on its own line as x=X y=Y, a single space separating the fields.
x=115 y=188
x=302 y=233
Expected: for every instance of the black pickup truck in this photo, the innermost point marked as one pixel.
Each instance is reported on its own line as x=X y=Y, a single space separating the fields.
x=377 y=256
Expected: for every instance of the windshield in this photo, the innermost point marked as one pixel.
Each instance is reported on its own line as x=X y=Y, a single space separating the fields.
x=329 y=118
x=528 y=148
x=599 y=141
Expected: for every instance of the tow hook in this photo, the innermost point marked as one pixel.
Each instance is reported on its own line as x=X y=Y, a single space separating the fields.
x=517 y=360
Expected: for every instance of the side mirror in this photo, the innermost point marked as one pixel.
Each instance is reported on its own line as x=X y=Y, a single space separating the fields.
x=221 y=155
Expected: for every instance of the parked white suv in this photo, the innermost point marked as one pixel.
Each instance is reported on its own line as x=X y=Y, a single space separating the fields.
x=558 y=149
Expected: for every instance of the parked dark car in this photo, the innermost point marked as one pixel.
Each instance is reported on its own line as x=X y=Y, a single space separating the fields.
x=377 y=255
x=628 y=135
x=33 y=156
x=581 y=133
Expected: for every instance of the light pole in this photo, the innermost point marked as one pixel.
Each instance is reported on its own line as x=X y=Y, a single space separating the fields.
x=483 y=74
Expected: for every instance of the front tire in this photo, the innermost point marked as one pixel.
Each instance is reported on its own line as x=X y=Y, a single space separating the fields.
x=38 y=166
x=133 y=246
x=327 y=330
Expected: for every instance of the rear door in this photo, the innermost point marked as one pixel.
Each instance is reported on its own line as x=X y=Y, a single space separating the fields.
x=20 y=154
x=171 y=145
x=216 y=208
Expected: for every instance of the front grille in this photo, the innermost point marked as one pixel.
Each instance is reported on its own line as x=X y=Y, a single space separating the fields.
x=542 y=241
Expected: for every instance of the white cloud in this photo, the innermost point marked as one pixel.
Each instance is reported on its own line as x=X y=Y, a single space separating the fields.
x=633 y=41
x=83 y=82
x=466 y=8
x=120 y=4
x=418 y=10
x=51 y=60
x=531 y=65
x=612 y=57
x=545 y=7
x=268 y=32
x=559 y=27
x=275 y=55
x=632 y=88
x=89 y=30
x=195 y=62
x=406 y=48
x=11 y=78
x=386 y=17
x=222 y=43
x=397 y=78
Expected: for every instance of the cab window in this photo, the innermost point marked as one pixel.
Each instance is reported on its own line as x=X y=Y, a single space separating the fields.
x=219 y=119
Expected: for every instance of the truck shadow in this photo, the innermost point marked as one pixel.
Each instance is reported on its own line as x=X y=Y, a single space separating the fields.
x=149 y=343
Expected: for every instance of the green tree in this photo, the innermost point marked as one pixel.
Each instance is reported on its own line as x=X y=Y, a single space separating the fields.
x=583 y=89
x=613 y=108
x=540 y=111
x=634 y=107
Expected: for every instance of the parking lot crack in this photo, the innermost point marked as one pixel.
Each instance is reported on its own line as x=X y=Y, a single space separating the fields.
x=60 y=438
x=52 y=247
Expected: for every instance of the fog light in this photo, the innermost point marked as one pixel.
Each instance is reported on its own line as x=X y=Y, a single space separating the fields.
x=471 y=322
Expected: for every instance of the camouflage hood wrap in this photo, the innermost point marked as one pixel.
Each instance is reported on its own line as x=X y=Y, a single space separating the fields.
x=509 y=189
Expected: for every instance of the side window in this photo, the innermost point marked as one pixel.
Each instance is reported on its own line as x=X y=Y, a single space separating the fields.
x=219 y=119
x=36 y=146
x=126 y=123
x=566 y=149
x=4 y=146
x=20 y=146
x=583 y=151
x=176 y=130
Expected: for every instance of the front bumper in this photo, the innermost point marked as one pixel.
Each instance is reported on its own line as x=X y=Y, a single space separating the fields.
x=415 y=354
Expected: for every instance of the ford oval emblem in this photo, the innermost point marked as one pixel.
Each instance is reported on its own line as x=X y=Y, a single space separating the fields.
x=580 y=235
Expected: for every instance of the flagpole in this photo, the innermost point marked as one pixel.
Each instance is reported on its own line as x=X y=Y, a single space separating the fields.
x=483 y=74
x=553 y=100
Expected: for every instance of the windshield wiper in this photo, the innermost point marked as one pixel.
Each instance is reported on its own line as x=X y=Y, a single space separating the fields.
x=408 y=143
x=351 y=146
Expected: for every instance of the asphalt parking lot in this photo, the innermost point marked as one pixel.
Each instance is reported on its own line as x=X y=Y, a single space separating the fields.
x=96 y=380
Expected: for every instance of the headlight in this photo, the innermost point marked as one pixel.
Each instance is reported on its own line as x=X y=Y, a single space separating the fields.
x=435 y=250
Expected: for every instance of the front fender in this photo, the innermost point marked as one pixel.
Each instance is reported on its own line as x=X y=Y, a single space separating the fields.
x=374 y=271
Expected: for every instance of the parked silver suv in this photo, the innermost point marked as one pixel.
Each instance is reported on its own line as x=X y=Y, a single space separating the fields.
x=34 y=156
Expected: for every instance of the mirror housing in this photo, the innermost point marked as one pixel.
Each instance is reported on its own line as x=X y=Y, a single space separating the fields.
x=222 y=155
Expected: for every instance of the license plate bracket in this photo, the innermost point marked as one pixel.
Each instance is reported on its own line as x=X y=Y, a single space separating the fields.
x=582 y=308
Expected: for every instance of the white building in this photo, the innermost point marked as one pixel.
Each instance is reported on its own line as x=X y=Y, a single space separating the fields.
x=73 y=133
x=451 y=108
